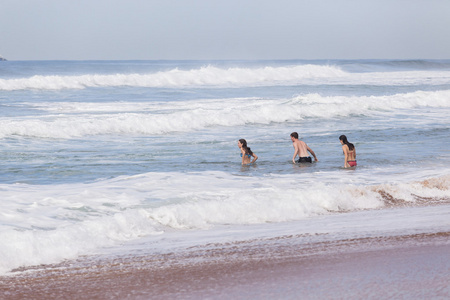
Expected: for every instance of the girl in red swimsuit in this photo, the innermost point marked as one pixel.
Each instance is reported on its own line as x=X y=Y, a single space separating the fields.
x=349 y=152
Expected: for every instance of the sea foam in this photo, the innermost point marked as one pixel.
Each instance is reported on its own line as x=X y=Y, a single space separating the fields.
x=49 y=223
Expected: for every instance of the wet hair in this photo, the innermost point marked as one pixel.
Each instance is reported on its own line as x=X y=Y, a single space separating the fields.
x=246 y=148
x=343 y=138
x=294 y=135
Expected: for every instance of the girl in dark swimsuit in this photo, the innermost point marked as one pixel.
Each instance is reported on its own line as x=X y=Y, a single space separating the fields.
x=246 y=152
x=349 y=152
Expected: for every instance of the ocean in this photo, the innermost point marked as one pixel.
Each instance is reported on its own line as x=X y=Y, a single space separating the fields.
x=119 y=157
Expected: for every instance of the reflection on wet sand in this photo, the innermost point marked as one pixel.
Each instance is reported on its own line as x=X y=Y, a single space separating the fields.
x=407 y=266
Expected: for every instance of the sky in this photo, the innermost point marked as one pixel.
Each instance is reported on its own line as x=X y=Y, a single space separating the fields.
x=224 y=29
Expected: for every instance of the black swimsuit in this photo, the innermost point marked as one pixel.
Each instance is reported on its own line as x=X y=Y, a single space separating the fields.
x=305 y=159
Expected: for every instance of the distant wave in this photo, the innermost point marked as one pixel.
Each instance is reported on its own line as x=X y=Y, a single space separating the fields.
x=72 y=120
x=211 y=76
x=414 y=64
x=205 y=76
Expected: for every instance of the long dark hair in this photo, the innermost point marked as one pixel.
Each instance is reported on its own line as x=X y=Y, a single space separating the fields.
x=246 y=148
x=343 y=138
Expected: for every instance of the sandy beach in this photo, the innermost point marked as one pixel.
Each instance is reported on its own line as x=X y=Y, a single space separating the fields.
x=401 y=267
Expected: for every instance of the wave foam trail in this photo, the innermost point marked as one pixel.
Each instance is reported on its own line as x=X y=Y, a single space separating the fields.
x=205 y=76
x=71 y=120
x=46 y=224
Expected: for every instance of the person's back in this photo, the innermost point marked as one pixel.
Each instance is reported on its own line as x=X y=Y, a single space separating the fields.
x=301 y=146
x=301 y=149
x=352 y=154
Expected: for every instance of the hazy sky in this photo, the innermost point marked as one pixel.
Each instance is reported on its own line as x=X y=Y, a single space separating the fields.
x=224 y=29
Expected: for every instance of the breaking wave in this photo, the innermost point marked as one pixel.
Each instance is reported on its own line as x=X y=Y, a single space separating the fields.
x=72 y=119
x=211 y=76
x=205 y=76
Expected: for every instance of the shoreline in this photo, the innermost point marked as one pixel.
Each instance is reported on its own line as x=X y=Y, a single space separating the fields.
x=410 y=266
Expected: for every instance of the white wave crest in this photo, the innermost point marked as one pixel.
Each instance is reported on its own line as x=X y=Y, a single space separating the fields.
x=205 y=76
x=211 y=76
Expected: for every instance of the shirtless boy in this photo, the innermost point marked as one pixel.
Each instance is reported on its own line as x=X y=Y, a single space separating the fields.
x=301 y=150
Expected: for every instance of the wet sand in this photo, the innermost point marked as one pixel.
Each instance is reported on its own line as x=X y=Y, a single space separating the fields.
x=405 y=267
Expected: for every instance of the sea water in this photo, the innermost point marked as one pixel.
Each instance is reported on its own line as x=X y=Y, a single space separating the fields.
x=98 y=154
